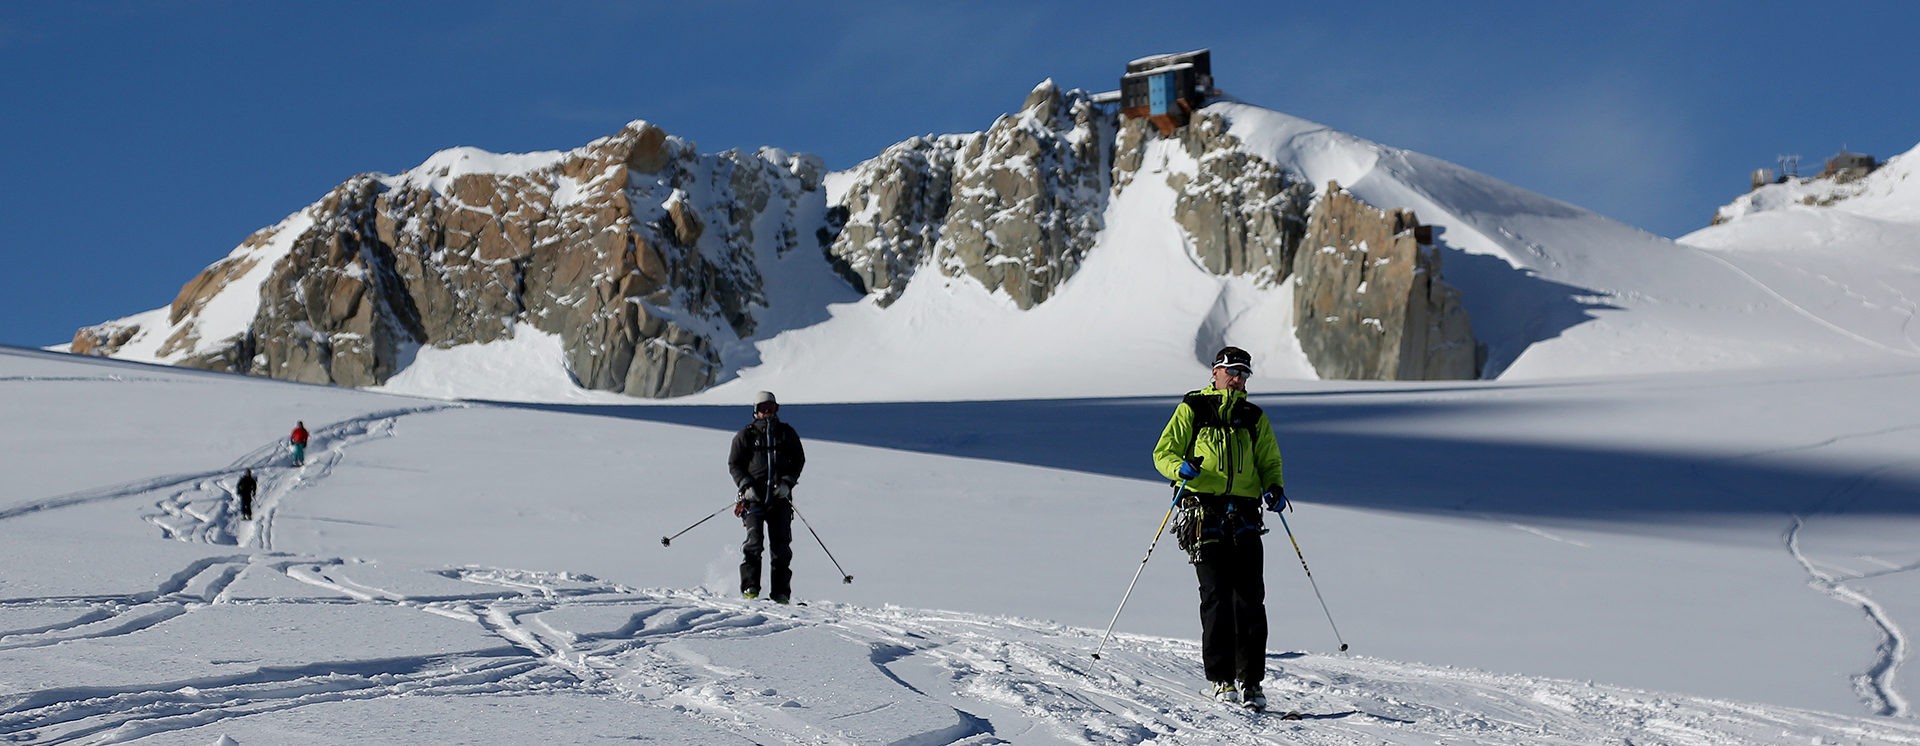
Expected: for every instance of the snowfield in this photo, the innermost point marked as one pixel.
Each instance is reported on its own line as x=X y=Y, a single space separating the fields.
x=1681 y=559
x=1683 y=509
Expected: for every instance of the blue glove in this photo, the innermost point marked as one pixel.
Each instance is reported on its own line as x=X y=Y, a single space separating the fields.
x=1275 y=497
x=1189 y=470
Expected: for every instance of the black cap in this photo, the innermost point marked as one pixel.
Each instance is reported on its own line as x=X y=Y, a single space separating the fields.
x=1233 y=357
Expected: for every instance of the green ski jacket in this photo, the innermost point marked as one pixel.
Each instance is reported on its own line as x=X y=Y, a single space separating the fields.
x=1239 y=455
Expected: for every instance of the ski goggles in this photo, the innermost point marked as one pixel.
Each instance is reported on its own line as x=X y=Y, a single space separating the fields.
x=766 y=407
x=1240 y=373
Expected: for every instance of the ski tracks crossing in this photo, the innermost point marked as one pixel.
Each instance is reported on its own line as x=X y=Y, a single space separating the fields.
x=926 y=677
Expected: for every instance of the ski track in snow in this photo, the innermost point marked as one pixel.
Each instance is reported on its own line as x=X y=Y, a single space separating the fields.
x=958 y=678
x=1807 y=313
x=990 y=677
x=1876 y=684
x=207 y=511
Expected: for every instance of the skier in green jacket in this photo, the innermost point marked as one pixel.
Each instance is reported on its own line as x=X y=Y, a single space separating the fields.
x=1221 y=446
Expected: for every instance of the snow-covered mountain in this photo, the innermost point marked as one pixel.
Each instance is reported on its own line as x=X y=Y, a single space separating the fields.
x=1682 y=511
x=1060 y=239
x=1702 y=538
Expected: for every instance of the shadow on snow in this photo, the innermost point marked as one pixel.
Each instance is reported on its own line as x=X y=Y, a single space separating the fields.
x=1332 y=459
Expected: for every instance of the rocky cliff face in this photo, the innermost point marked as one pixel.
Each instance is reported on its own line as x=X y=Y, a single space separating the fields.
x=647 y=259
x=638 y=252
x=1244 y=214
x=1368 y=299
x=1015 y=207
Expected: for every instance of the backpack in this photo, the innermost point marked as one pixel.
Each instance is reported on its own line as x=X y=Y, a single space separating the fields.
x=1200 y=524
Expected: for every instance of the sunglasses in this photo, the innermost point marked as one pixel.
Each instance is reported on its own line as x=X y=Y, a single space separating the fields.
x=766 y=408
x=1240 y=373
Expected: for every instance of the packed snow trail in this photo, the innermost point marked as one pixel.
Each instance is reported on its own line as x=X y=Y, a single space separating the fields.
x=208 y=510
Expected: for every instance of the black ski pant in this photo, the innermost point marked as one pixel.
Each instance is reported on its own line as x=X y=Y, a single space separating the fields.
x=1233 y=610
x=768 y=520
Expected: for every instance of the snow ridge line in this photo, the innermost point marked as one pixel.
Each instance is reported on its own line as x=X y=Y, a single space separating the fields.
x=1876 y=685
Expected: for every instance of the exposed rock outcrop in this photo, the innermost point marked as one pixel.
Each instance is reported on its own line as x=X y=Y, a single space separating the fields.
x=646 y=258
x=892 y=214
x=1368 y=299
x=102 y=339
x=1015 y=207
x=639 y=252
x=1244 y=213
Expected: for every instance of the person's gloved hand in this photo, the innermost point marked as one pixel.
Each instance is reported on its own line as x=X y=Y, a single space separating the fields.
x=1275 y=497
x=1189 y=470
x=783 y=491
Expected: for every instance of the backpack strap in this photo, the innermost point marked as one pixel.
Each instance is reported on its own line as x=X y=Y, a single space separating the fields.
x=1206 y=413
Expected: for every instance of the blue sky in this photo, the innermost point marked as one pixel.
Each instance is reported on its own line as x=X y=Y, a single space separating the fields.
x=146 y=139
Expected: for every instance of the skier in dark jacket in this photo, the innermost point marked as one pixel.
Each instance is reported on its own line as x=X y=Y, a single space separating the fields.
x=765 y=461
x=245 y=490
x=1221 y=447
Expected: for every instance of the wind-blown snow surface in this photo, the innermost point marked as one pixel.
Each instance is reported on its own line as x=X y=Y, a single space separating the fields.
x=1685 y=558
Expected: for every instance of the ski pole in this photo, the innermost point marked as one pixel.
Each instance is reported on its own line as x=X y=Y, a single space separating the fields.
x=667 y=541
x=1316 y=586
x=1177 y=492
x=844 y=577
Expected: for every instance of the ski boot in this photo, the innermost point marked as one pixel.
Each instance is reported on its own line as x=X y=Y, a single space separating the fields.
x=1253 y=698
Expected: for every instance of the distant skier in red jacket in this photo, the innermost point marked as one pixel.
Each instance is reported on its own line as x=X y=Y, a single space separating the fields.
x=300 y=443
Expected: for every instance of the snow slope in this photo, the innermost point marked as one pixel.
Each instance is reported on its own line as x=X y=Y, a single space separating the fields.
x=1556 y=290
x=1845 y=255
x=1684 y=558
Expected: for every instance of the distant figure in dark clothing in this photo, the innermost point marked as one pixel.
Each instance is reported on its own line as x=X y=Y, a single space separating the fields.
x=245 y=490
x=766 y=460
x=299 y=439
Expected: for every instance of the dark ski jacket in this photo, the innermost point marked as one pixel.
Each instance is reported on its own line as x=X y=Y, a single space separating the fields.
x=765 y=445
x=246 y=486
